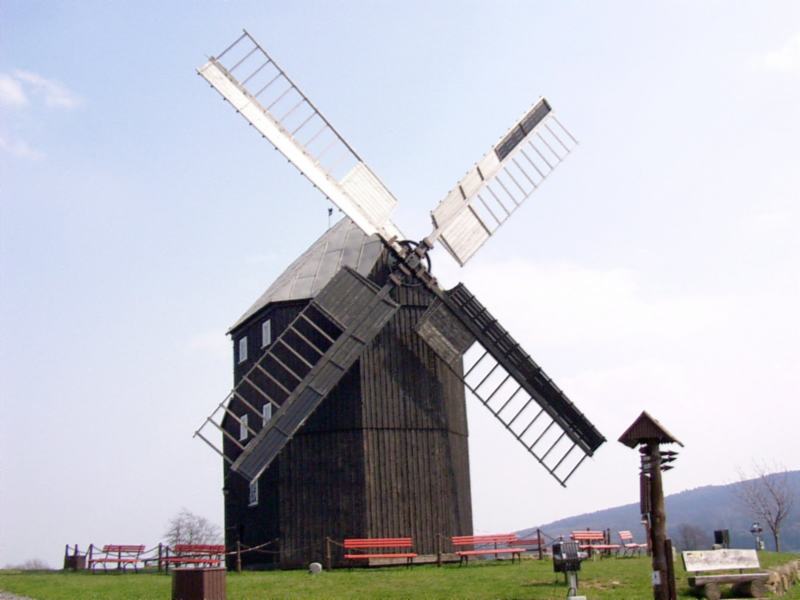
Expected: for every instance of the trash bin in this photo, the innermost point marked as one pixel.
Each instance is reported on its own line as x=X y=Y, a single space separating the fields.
x=198 y=584
x=566 y=557
x=75 y=563
x=722 y=537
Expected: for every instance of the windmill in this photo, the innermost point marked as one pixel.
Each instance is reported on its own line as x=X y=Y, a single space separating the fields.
x=348 y=419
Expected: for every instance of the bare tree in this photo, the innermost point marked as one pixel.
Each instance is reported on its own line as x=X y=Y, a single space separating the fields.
x=768 y=495
x=32 y=564
x=189 y=528
x=692 y=537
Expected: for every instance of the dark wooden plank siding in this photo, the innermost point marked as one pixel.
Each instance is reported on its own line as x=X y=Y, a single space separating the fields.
x=321 y=495
x=384 y=455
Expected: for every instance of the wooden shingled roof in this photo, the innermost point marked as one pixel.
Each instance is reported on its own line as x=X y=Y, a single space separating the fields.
x=647 y=429
x=343 y=245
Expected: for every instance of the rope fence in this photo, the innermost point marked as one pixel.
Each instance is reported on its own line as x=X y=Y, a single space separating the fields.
x=537 y=542
x=162 y=554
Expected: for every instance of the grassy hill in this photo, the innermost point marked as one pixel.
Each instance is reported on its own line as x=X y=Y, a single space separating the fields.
x=706 y=508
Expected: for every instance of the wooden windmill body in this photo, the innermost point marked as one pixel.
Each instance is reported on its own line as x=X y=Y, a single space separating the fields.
x=347 y=417
x=385 y=455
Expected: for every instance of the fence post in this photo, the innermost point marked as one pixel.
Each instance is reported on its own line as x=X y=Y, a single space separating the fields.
x=328 y=558
x=238 y=556
x=539 y=543
x=160 y=547
x=89 y=560
x=439 y=549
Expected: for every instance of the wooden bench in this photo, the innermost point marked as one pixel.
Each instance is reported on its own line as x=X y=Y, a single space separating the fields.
x=750 y=585
x=120 y=554
x=593 y=541
x=497 y=544
x=209 y=555
x=367 y=544
x=628 y=545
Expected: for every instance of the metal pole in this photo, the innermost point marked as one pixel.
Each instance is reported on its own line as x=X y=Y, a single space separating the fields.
x=658 y=522
x=238 y=556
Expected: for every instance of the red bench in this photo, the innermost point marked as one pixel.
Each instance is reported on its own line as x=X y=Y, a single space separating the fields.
x=592 y=541
x=367 y=544
x=210 y=555
x=120 y=554
x=497 y=544
x=628 y=545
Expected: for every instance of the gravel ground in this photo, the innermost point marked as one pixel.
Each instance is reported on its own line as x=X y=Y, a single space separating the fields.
x=10 y=596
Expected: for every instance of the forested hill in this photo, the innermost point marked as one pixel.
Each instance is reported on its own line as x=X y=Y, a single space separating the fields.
x=692 y=517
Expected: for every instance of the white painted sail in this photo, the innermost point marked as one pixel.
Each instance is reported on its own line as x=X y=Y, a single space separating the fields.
x=501 y=181
x=259 y=90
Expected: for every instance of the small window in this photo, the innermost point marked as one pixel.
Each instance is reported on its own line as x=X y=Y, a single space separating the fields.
x=243 y=428
x=266 y=413
x=253 y=498
x=266 y=333
x=243 y=349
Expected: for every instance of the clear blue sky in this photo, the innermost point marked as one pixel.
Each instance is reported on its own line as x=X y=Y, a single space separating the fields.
x=657 y=269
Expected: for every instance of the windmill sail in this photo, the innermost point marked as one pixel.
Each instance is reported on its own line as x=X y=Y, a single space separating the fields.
x=501 y=181
x=509 y=383
x=303 y=365
x=262 y=93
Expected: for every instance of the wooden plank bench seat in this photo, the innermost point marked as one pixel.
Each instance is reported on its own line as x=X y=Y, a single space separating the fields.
x=628 y=545
x=593 y=541
x=122 y=555
x=749 y=585
x=496 y=544
x=209 y=555
x=368 y=544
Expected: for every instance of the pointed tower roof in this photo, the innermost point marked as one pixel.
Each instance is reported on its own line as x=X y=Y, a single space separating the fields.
x=645 y=429
x=343 y=245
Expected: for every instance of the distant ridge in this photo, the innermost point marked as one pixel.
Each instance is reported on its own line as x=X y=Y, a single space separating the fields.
x=706 y=508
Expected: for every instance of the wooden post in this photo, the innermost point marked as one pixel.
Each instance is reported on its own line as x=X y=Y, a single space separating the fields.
x=160 y=551
x=539 y=540
x=238 y=556
x=89 y=560
x=670 y=570
x=648 y=434
x=439 y=549
x=328 y=558
x=658 y=524
x=119 y=559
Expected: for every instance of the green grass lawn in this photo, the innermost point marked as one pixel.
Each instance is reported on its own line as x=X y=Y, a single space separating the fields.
x=606 y=579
